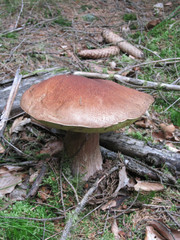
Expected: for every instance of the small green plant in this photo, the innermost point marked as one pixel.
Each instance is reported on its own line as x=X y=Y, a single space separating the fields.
x=175 y=117
x=62 y=21
x=85 y=7
x=12 y=35
x=21 y=229
x=129 y=17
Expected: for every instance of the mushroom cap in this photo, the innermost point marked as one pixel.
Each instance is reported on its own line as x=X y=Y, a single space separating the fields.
x=82 y=104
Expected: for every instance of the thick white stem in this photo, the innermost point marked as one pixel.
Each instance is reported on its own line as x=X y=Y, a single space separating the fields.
x=84 y=150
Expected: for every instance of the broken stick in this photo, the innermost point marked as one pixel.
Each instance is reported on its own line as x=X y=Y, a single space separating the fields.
x=7 y=109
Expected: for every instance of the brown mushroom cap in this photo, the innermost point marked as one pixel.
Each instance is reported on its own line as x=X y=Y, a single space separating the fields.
x=84 y=105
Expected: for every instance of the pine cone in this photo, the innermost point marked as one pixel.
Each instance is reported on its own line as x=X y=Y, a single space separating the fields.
x=99 y=53
x=126 y=47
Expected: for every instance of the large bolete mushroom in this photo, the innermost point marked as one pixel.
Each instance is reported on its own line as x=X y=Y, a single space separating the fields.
x=84 y=108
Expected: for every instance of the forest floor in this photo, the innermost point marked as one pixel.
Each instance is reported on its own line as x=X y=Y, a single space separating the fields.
x=38 y=36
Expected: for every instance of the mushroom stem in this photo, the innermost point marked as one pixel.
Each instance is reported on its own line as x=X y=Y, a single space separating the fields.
x=84 y=150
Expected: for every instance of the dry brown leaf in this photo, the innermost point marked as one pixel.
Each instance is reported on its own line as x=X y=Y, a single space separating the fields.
x=125 y=46
x=123 y=180
x=18 y=194
x=168 y=4
x=115 y=229
x=53 y=148
x=2 y=149
x=99 y=53
x=144 y=123
x=44 y=193
x=158 y=136
x=115 y=203
x=8 y=181
x=33 y=177
x=168 y=130
x=152 y=234
x=165 y=231
x=152 y=24
x=18 y=124
x=11 y=168
x=108 y=205
x=148 y=186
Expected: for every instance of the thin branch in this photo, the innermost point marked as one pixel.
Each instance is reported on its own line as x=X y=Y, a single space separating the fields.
x=167 y=60
x=33 y=219
x=61 y=189
x=137 y=82
x=7 y=109
x=22 y=5
x=74 y=190
x=36 y=183
x=81 y=205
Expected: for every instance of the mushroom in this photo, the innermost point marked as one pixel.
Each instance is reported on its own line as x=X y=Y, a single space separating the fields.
x=84 y=108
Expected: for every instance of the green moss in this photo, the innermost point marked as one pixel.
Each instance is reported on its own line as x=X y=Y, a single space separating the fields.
x=175 y=117
x=129 y=17
x=62 y=21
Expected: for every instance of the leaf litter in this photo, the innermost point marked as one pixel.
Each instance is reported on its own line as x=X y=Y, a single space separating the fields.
x=110 y=185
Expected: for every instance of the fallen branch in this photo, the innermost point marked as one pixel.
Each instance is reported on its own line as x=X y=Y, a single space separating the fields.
x=81 y=205
x=7 y=109
x=136 y=148
x=166 y=61
x=36 y=183
x=138 y=167
x=137 y=82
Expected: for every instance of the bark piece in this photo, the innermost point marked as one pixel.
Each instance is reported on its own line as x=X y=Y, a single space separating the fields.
x=125 y=46
x=99 y=53
x=136 y=148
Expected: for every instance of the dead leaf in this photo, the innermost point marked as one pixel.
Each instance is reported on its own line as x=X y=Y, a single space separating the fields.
x=168 y=130
x=44 y=193
x=152 y=234
x=158 y=136
x=8 y=181
x=33 y=176
x=123 y=180
x=168 y=4
x=115 y=229
x=18 y=194
x=152 y=24
x=18 y=124
x=2 y=149
x=114 y=203
x=144 y=123
x=53 y=148
x=108 y=205
x=166 y=232
x=148 y=186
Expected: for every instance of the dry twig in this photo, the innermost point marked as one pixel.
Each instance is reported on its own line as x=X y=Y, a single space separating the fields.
x=37 y=182
x=81 y=205
x=137 y=82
